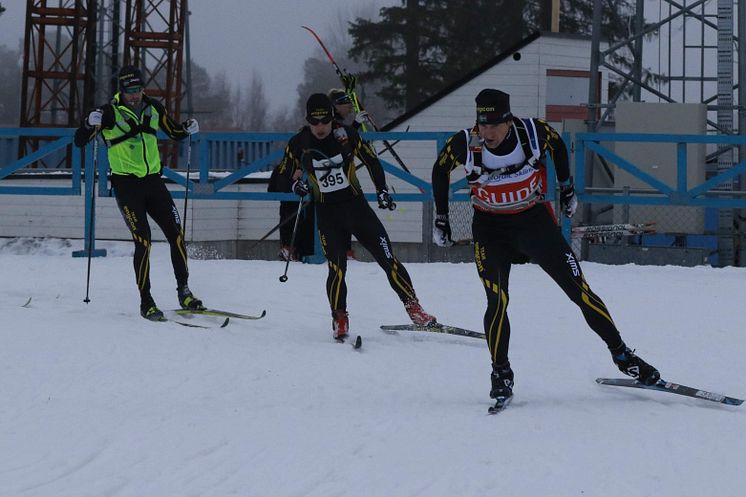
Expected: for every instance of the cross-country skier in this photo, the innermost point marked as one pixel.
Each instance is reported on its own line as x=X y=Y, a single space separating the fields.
x=128 y=125
x=503 y=157
x=324 y=151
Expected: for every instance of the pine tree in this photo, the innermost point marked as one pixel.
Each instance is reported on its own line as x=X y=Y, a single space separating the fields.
x=421 y=46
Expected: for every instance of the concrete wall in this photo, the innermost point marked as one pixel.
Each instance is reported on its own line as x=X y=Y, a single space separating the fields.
x=230 y=226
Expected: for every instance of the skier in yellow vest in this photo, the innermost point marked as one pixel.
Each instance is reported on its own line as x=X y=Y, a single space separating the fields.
x=128 y=125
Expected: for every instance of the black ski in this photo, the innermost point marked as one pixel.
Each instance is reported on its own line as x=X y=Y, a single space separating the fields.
x=434 y=328
x=500 y=405
x=193 y=325
x=218 y=312
x=667 y=386
x=27 y=303
x=599 y=230
x=164 y=319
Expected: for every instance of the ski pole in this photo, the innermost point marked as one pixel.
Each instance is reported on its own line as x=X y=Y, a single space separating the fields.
x=186 y=191
x=356 y=103
x=388 y=146
x=284 y=276
x=276 y=227
x=91 y=216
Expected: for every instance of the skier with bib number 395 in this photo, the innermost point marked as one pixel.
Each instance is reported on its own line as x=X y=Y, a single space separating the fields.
x=324 y=152
x=503 y=159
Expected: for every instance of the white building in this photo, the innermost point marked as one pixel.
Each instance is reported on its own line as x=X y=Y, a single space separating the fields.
x=547 y=75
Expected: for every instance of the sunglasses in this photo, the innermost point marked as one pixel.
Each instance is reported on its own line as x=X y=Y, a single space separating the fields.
x=314 y=121
x=344 y=99
x=133 y=89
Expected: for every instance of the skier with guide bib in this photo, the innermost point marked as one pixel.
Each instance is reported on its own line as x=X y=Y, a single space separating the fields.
x=503 y=157
x=128 y=125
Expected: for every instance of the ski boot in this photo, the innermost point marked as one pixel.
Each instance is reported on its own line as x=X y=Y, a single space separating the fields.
x=417 y=314
x=149 y=310
x=631 y=365
x=502 y=381
x=340 y=324
x=187 y=300
x=502 y=386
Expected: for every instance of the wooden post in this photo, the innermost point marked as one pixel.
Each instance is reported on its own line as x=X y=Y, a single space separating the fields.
x=555 y=15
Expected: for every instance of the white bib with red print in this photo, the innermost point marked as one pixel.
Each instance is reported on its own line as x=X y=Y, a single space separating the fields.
x=506 y=192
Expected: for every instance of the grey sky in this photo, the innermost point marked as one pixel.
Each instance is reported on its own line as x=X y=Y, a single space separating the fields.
x=239 y=36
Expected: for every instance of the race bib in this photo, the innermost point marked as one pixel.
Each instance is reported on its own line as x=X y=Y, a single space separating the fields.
x=507 y=190
x=330 y=174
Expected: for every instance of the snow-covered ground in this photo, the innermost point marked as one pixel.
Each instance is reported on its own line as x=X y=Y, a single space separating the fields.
x=95 y=401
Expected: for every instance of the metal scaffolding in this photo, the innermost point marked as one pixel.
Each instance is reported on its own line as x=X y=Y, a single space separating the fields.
x=57 y=77
x=154 y=40
x=698 y=54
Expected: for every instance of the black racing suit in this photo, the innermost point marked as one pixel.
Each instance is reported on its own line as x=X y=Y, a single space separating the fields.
x=341 y=208
x=501 y=239
x=138 y=197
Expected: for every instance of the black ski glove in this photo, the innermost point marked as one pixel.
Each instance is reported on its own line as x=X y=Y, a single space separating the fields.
x=300 y=188
x=568 y=200
x=385 y=201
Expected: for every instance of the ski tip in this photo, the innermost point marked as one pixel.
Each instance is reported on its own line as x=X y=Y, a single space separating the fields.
x=264 y=313
x=225 y=323
x=357 y=343
x=607 y=381
x=27 y=302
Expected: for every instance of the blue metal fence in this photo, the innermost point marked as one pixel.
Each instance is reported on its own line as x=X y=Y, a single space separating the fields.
x=241 y=154
x=681 y=193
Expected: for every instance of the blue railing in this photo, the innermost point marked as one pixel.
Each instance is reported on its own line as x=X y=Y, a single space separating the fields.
x=241 y=154
x=64 y=138
x=679 y=194
x=211 y=151
x=203 y=187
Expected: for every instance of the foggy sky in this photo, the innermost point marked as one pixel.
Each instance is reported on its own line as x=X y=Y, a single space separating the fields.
x=238 y=36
